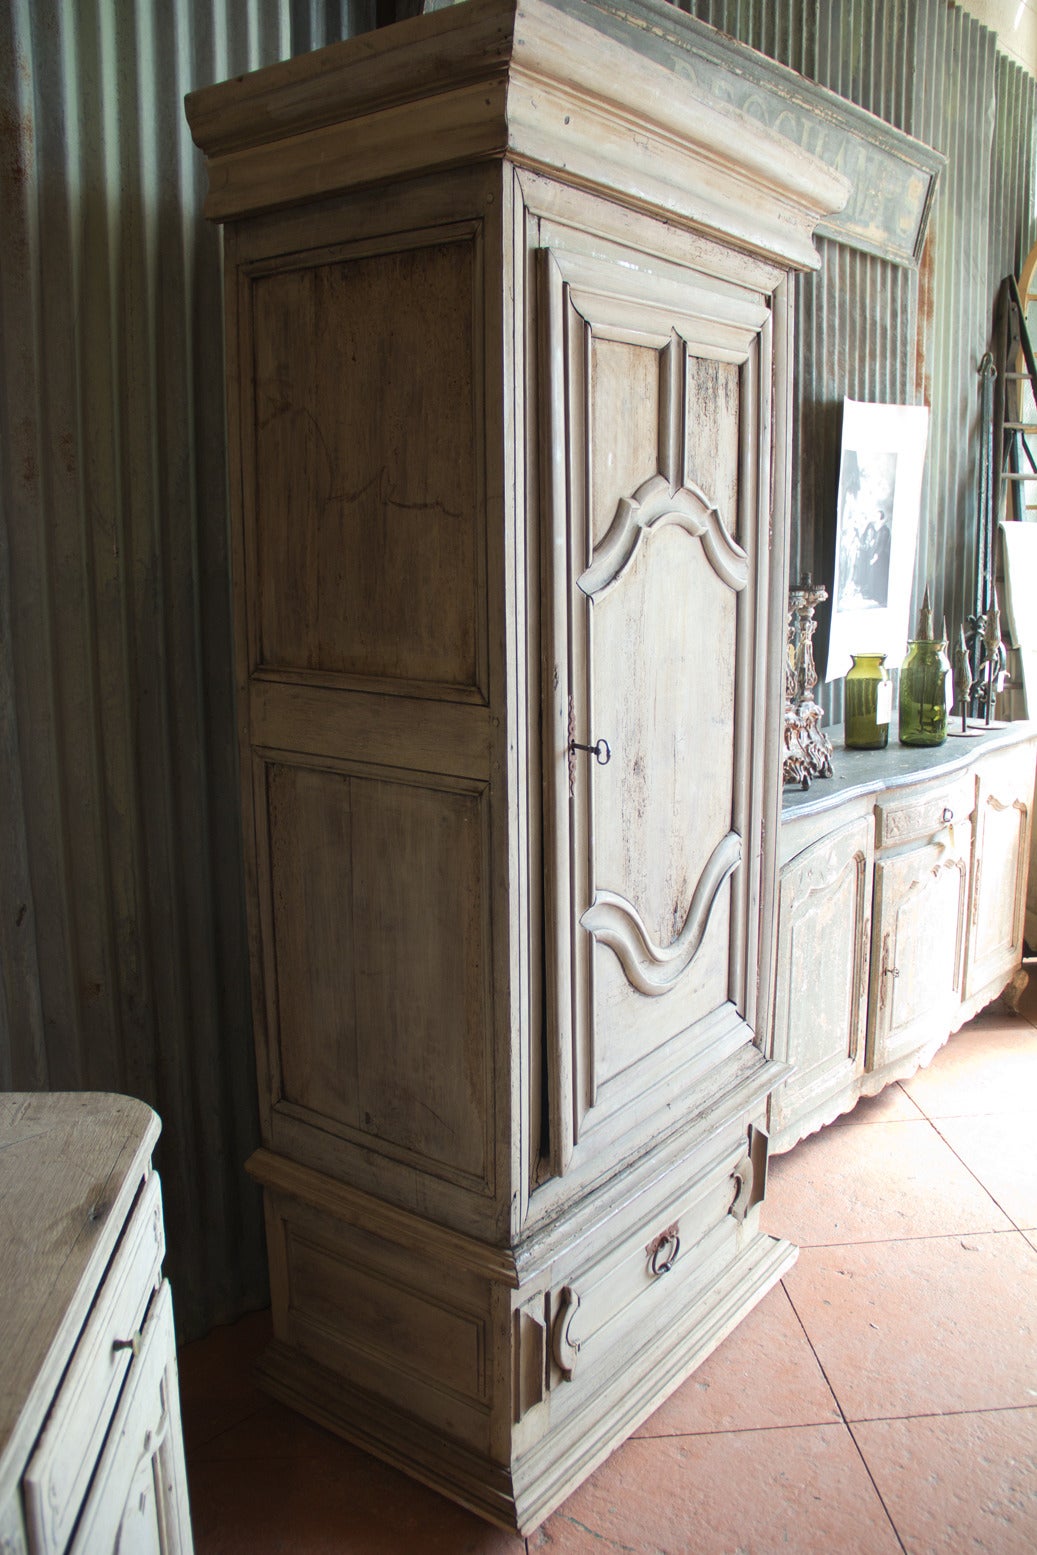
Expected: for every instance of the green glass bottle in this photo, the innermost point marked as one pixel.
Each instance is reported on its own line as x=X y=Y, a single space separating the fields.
x=923 y=693
x=869 y=703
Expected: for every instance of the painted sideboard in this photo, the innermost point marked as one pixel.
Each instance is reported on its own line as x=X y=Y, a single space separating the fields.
x=901 y=913
x=91 y=1451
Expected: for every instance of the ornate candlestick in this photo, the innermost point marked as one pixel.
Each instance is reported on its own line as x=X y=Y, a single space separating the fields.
x=962 y=677
x=808 y=752
x=994 y=657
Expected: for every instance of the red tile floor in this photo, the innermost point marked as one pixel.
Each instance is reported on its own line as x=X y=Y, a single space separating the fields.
x=882 y=1398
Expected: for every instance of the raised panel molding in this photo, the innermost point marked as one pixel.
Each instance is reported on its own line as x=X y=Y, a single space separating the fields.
x=654 y=969
x=1000 y=871
x=692 y=412
x=654 y=504
x=365 y=968
x=397 y=335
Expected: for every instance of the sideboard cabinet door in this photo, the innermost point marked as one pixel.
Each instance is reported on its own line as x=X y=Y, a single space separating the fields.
x=918 y=944
x=821 y=1004
x=1001 y=859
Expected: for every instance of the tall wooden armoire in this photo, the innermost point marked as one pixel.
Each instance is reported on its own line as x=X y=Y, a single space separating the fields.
x=508 y=333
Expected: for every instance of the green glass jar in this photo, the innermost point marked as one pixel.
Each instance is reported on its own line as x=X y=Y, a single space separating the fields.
x=923 y=693
x=869 y=703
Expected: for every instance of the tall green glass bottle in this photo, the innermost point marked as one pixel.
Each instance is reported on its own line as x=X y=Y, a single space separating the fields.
x=923 y=693
x=869 y=703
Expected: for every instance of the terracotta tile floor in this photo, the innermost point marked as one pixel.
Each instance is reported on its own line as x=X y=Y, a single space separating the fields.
x=882 y=1398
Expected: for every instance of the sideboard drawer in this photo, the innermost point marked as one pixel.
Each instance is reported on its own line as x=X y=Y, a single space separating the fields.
x=904 y=818
x=60 y=1469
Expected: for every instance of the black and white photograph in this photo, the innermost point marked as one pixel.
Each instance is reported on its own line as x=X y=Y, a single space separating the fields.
x=866 y=489
x=879 y=496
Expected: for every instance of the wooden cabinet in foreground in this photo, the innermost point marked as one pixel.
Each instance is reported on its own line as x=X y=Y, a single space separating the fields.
x=91 y=1451
x=901 y=914
x=508 y=354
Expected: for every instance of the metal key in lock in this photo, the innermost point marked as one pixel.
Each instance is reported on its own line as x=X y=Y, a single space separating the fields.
x=600 y=750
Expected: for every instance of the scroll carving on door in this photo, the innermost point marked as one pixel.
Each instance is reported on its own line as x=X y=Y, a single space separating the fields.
x=612 y=920
x=653 y=406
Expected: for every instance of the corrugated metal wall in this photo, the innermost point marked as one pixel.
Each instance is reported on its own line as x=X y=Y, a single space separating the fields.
x=122 y=945
x=874 y=331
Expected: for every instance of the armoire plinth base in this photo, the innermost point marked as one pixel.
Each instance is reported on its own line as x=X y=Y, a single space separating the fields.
x=521 y=1496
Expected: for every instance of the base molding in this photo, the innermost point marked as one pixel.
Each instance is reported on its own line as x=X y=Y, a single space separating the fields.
x=576 y=1424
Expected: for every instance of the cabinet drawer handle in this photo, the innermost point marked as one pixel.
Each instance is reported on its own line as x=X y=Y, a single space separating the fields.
x=565 y=1344
x=665 y=1254
x=128 y=1344
x=948 y=815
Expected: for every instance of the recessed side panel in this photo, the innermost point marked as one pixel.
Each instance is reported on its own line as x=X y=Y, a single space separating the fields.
x=421 y=985
x=391 y=1327
x=310 y=904
x=376 y=906
x=367 y=477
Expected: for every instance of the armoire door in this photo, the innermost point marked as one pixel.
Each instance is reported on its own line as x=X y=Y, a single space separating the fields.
x=658 y=380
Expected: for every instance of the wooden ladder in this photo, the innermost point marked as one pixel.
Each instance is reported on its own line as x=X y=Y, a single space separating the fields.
x=1015 y=410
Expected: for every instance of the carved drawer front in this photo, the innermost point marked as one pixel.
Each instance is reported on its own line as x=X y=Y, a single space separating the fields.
x=917 y=816
x=644 y=1275
x=61 y=1467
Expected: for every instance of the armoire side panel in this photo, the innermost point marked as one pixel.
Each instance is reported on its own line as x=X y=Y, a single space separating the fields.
x=367 y=539
x=308 y=892
x=382 y=1000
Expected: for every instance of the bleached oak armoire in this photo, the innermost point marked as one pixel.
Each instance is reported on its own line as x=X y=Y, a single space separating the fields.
x=508 y=326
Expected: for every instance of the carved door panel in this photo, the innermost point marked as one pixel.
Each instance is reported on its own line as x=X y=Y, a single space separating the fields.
x=820 y=1016
x=917 y=957
x=1000 y=863
x=655 y=393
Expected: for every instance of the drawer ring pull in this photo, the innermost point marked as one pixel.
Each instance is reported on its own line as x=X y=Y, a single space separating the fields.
x=671 y=1246
x=948 y=815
